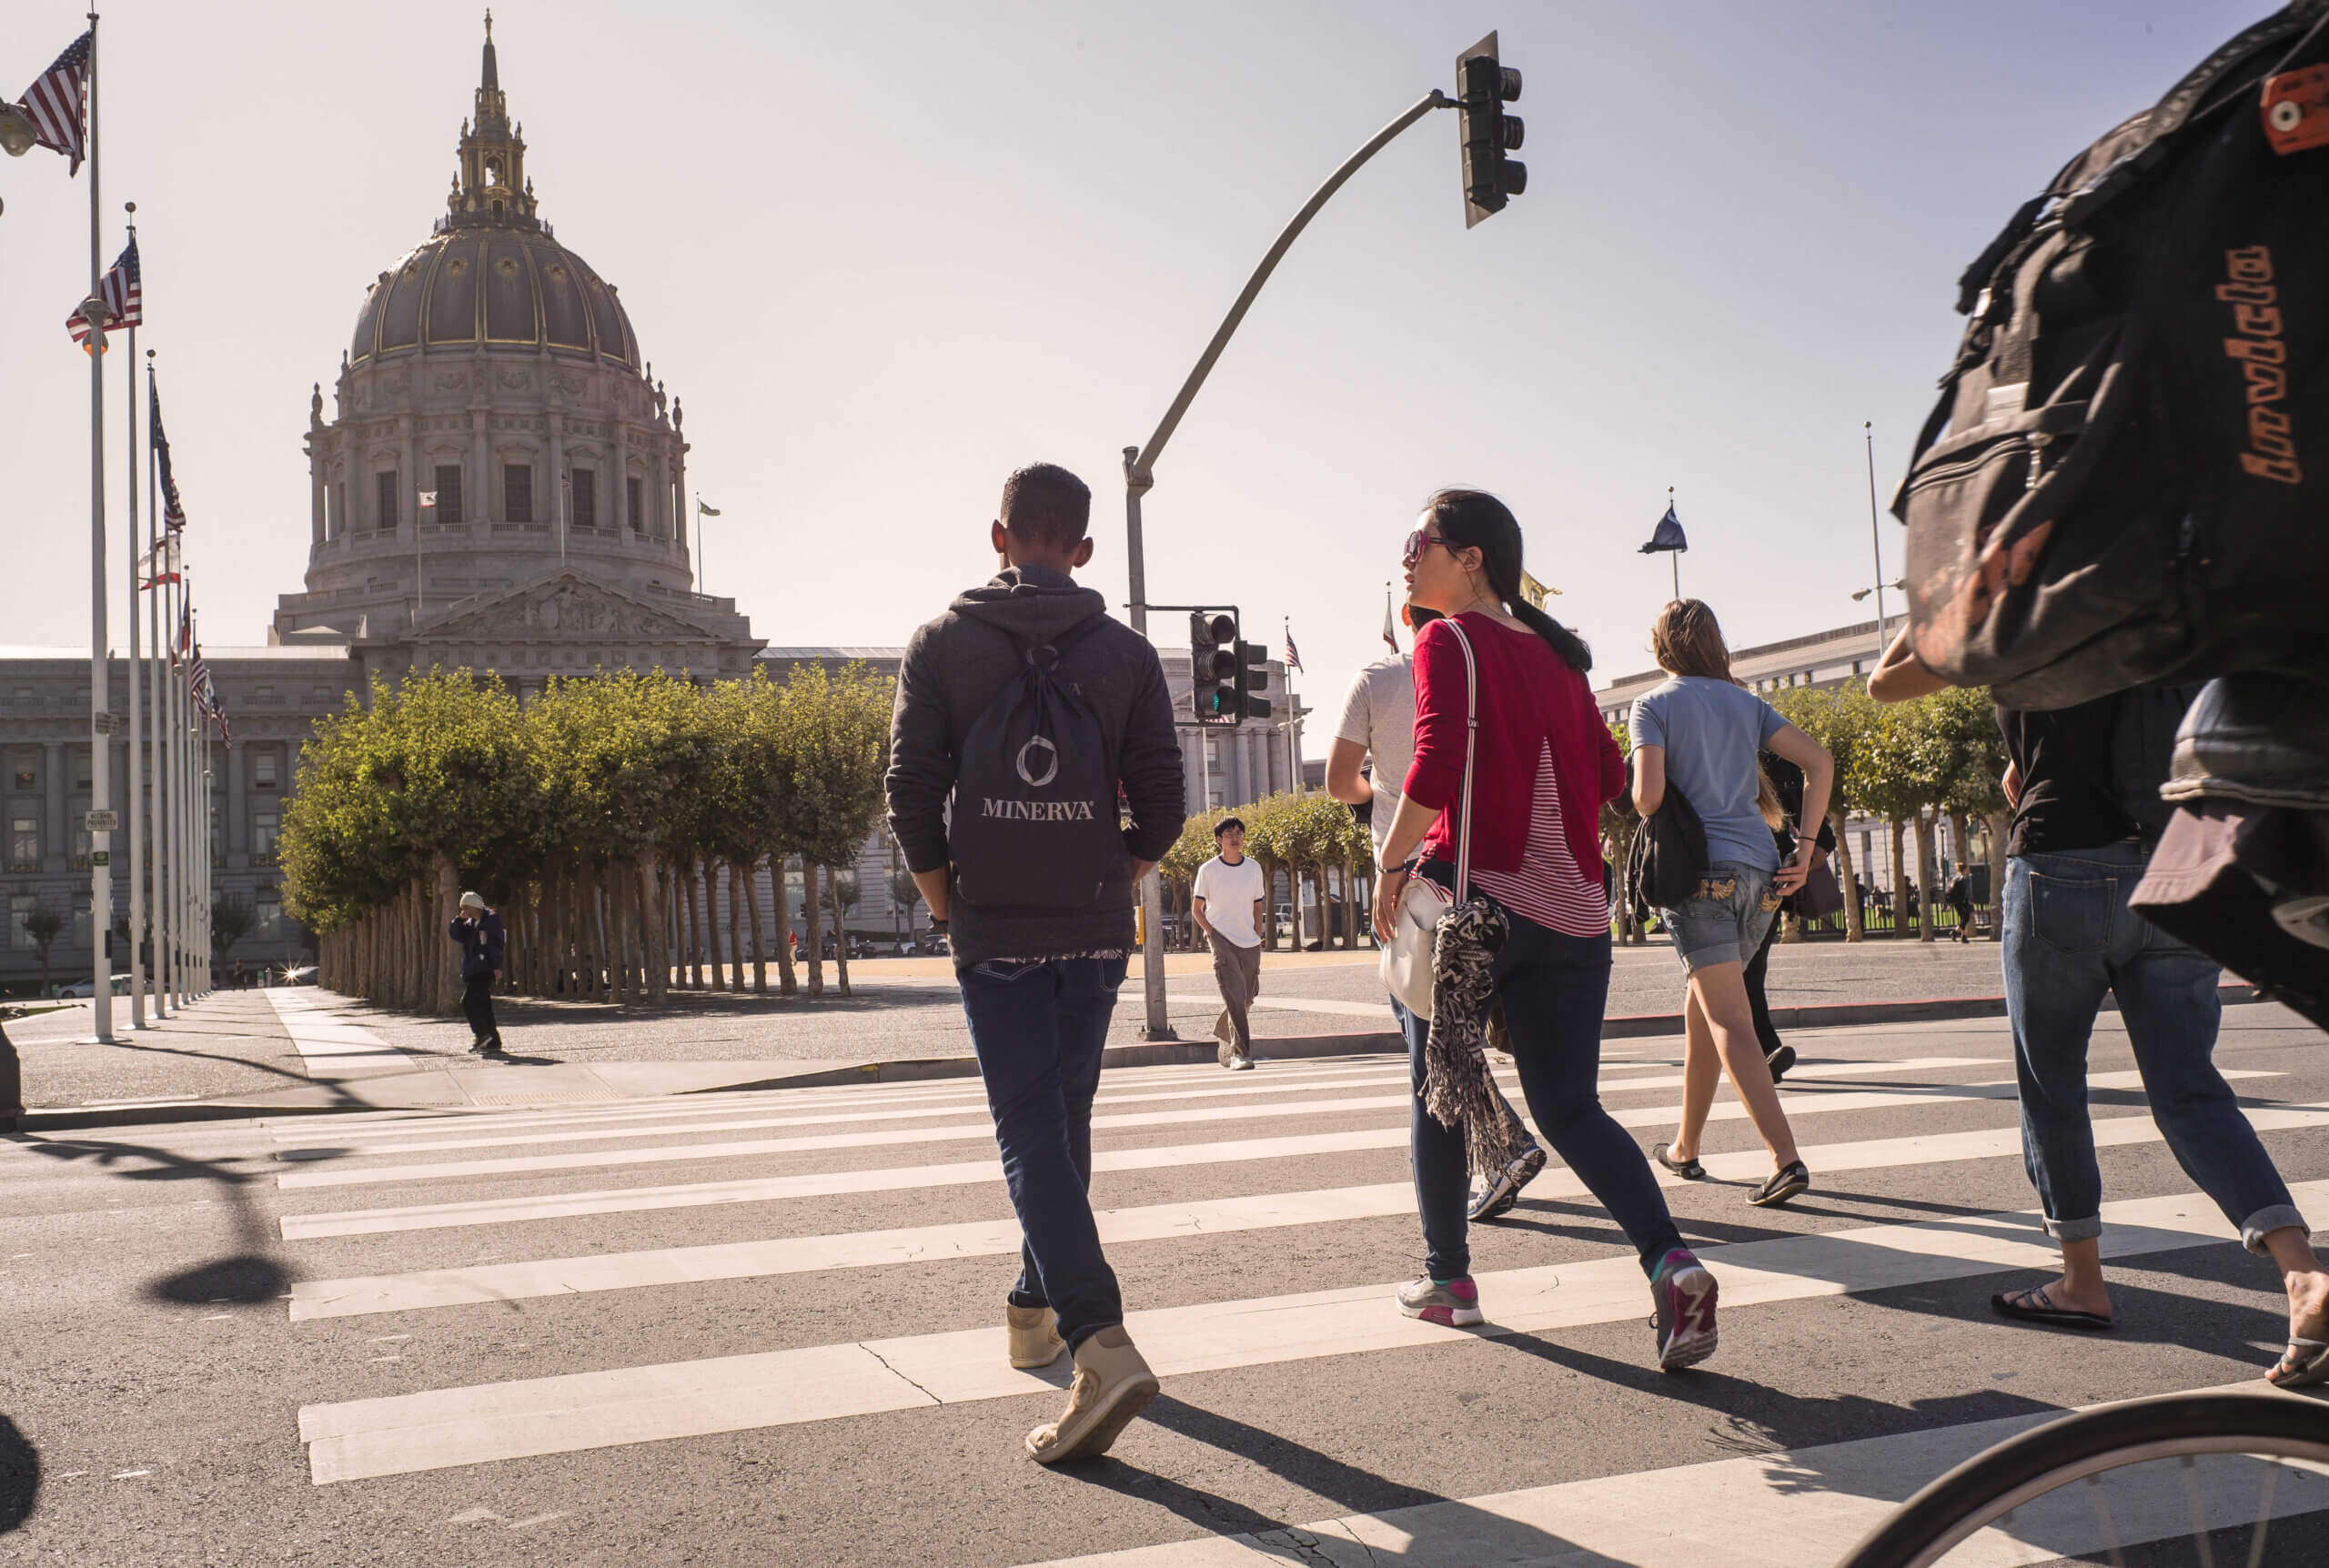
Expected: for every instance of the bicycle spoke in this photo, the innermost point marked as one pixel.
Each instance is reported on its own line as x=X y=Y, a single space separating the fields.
x=2199 y=1510
x=2264 y=1512
x=2101 y=1502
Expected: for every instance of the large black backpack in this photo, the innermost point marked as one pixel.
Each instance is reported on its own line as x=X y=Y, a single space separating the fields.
x=1033 y=820
x=2135 y=479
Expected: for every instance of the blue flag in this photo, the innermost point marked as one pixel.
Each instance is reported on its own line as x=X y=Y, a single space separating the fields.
x=1669 y=536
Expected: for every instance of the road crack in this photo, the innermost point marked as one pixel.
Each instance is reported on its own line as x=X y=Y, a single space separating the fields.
x=902 y=1377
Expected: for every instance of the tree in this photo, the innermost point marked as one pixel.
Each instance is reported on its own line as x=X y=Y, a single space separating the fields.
x=42 y=925
x=1620 y=823
x=1840 y=720
x=905 y=894
x=834 y=733
x=1967 y=717
x=231 y=919
x=1902 y=767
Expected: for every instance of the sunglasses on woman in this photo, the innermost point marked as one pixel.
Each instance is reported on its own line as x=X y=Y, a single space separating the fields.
x=1420 y=541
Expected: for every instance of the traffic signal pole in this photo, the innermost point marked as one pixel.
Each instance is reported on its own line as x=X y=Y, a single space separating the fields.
x=1140 y=477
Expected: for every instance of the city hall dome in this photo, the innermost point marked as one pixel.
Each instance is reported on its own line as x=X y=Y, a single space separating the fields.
x=492 y=276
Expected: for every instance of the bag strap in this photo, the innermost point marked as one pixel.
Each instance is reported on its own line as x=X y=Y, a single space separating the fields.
x=1471 y=733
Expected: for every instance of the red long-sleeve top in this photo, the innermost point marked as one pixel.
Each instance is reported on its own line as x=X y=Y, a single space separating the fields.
x=1529 y=699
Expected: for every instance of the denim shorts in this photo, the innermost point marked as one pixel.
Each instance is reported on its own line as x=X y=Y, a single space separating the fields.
x=1728 y=919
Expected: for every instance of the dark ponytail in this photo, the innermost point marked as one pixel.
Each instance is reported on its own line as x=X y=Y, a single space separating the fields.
x=1473 y=519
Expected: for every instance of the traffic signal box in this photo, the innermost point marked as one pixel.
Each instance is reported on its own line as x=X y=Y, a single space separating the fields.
x=1483 y=86
x=1214 y=669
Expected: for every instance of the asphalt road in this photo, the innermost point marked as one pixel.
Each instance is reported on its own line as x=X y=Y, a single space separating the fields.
x=639 y=1333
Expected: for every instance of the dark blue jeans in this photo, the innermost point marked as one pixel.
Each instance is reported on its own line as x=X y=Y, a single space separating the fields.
x=2070 y=940
x=1038 y=1029
x=1554 y=989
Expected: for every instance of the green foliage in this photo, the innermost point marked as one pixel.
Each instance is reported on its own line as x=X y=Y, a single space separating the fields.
x=1841 y=720
x=594 y=770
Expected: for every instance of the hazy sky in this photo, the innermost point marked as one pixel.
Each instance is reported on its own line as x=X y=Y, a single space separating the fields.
x=884 y=253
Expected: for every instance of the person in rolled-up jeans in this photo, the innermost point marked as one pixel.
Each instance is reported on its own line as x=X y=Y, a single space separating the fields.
x=2084 y=783
x=1039 y=983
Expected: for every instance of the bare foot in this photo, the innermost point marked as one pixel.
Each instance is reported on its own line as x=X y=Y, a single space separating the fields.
x=2309 y=1304
x=2080 y=1298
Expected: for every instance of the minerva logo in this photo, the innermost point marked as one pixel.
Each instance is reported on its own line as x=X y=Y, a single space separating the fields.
x=2263 y=356
x=1038 y=810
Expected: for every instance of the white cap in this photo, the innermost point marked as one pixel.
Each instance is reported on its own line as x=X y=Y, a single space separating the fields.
x=473 y=901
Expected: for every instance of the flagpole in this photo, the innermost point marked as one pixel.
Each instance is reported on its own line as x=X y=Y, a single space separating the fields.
x=100 y=718
x=152 y=678
x=1875 y=535
x=133 y=817
x=1674 y=558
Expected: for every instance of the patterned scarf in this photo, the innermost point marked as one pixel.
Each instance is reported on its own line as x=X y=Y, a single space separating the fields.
x=1456 y=1085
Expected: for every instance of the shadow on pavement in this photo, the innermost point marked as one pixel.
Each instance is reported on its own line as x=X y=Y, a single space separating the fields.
x=246 y=1277
x=19 y=1477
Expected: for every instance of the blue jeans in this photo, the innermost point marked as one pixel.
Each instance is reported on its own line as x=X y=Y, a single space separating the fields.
x=1554 y=989
x=1038 y=1029
x=2070 y=938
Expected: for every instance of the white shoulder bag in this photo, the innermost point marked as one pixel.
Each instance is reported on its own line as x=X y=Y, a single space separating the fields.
x=1407 y=958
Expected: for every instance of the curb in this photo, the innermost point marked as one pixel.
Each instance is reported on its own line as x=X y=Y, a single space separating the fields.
x=1148 y=1054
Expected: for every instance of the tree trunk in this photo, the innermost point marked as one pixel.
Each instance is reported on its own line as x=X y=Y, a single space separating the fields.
x=593 y=935
x=652 y=879
x=736 y=928
x=1848 y=876
x=1960 y=832
x=815 y=916
x=1899 y=884
x=759 y=936
x=781 y=895
x=841 y=934
x=1926 y=868
x=2000 y=828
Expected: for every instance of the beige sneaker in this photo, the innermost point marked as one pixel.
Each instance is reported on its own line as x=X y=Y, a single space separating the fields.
x=1034 y=1336
x=1113 y=1384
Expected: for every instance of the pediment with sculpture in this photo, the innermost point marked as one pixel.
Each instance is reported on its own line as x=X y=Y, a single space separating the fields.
x=567 y=606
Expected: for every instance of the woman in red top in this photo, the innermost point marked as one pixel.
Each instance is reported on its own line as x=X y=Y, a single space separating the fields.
x=1544 y=762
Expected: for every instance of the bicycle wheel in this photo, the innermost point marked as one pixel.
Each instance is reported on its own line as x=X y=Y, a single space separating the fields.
x=2221 y=1472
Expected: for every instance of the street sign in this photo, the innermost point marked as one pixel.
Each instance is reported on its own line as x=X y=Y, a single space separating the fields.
x=109 y=722
x=101 y=821
x=101 y=856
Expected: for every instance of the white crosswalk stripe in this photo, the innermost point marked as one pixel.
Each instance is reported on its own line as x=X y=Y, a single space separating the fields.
x=787 y=1186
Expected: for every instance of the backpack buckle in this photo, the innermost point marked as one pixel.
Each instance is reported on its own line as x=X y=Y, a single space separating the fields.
x=2295 y=108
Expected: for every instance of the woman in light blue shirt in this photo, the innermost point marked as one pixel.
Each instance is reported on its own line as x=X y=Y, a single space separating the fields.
x=1698 y=734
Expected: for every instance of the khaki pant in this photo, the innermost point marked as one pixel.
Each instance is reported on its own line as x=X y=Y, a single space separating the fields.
x=1239 y=971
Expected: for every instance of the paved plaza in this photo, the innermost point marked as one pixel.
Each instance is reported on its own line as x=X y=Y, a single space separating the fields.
x=764 y=1326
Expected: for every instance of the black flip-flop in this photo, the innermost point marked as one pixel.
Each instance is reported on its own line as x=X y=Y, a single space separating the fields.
x=2031 y=1306
x=1688 y=1169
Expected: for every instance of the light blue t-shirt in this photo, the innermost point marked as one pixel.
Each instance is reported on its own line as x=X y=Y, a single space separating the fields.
x=1711 y=731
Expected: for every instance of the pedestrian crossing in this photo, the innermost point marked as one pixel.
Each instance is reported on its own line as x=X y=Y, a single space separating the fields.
x=399 y=1225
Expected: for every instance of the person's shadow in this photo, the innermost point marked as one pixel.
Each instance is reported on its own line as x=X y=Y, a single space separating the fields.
x=19 y=1477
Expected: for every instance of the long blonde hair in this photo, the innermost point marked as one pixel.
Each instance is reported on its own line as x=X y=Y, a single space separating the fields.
x=1767 y=800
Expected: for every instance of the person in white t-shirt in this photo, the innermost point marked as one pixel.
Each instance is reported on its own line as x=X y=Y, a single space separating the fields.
x=1379 y=723
x=1230 y=894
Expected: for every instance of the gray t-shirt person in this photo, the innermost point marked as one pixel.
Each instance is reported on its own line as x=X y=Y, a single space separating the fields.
x=1379 y=713
x=1711 y=730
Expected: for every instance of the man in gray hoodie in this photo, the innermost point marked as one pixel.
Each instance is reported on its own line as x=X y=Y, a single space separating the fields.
x=1039 y=982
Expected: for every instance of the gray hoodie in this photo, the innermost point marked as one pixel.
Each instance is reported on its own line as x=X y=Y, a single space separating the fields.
x=957 y=665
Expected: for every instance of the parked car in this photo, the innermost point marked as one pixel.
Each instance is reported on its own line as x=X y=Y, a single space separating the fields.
x=88 y=987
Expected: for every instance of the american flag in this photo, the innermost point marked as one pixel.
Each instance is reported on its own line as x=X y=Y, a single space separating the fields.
x=173 y=514
x=204 y=695
x=125 y=301
x=177 y=646
x=1293 y=659
x=55 y=101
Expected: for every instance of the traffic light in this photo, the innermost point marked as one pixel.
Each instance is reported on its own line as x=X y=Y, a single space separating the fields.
x=1252 y=676
x=1483 y=87
x=1213 y=667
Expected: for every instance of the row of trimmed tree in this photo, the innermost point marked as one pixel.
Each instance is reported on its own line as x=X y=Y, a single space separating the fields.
x=602 y=819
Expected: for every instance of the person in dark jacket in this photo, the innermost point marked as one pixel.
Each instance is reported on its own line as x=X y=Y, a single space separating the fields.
x=1787 y=783
x=479 y=930
x=1039 y=982
x=12 y=1087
